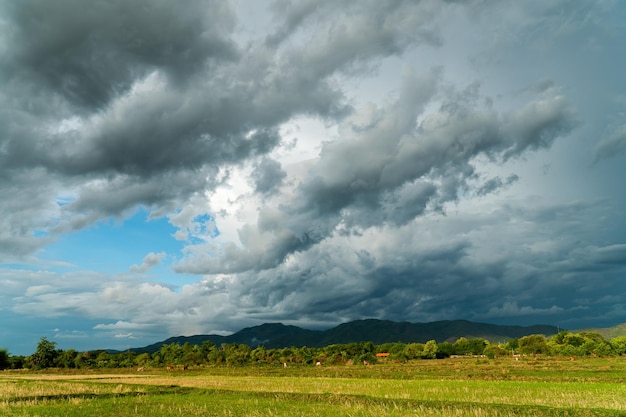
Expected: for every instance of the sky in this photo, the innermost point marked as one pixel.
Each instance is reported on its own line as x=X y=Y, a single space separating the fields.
x=180 y=168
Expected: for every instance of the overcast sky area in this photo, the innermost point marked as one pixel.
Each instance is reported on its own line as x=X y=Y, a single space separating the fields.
x=178 y=168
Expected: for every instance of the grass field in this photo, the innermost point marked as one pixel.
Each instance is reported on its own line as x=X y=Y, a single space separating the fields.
x=451 y=387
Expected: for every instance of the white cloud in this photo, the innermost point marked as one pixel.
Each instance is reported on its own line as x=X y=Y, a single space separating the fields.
x=149 y=261
x=125 y=336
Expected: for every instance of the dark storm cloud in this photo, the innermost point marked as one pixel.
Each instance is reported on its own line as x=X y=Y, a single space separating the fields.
x=267 y=175
x=29 y=210
x=92 y=56
x=390 y=169
x=130 y=98
x=117 y=100
x=418 y=275
x=96 y=95
x=496 y=183
x=293 y=16
x=92 y=52
x=393 y=150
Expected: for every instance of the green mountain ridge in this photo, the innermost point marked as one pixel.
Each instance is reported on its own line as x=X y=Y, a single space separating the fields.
x=608 y=333
x=278 y=335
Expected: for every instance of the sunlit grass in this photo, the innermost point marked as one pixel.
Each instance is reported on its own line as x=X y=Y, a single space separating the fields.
x=462 y=387
x=554 y=394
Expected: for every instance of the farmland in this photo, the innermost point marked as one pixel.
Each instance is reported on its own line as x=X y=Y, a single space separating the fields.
x=449 y=387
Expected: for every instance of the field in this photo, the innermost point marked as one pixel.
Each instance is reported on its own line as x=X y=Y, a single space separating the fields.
x=450 y=387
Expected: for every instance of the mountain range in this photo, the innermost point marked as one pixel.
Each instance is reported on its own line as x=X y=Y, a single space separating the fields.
x=609 y=332
x=278 y=335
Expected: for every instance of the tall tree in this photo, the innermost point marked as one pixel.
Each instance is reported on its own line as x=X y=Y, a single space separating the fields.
x=4 y=359
x=45 y=354
x=430 y=350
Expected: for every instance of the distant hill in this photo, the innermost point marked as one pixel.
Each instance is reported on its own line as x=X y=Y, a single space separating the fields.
x=608 y=333
x=277 y=335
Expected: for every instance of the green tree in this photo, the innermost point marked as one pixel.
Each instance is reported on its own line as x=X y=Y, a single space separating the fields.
x=512 y=345
x=171 y=354
x=124 y=360
x=413 y=351
x=334 y=353
x=4 y=359
x=391 y=347
x=66 y=359
x=461 y=346
x=206 y=348
x=156 y=359
x=217 y=356
x=45 y=354
x=595 y=344
x=286 y=355
x=494 y=351
x=304 y=354
x=581 y=344
x=619 y=345
x=142 y=359
x=430 y=350
x=559 y=338
x=260 y=355
x=18 y=362
x=567 y=344
x=574 y=339
x=445 y=350
x=238 y=353
x=533 y=344
x=477 y=346
x=104 y=360
x=84 y=360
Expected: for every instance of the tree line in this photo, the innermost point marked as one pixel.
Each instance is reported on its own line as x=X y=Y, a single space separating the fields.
x=236 y=354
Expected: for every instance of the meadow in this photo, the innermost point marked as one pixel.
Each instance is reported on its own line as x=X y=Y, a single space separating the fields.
x=447 y=387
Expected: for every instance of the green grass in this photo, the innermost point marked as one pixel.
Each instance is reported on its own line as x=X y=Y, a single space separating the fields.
x=455 y=387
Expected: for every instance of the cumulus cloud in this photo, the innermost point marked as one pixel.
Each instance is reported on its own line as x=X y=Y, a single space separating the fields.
x=386 y=168
x=91 y=53
x=149 y=261
x=118 y=105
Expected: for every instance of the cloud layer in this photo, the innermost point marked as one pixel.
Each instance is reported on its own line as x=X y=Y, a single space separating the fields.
x=320 y=162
